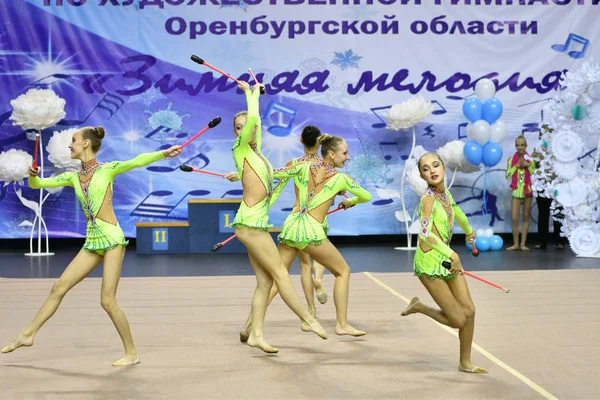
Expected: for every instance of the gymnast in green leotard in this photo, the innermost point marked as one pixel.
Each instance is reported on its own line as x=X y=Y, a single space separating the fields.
x=309 y=139
x=251 y=223
x=105 y=241
x=437 y=212
x=304 y=229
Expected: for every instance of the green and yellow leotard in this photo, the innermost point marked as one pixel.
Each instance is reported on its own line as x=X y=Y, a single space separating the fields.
x=301 y=228
x=96 y=199
x=247 y=155
x=437 y=212
x=283 y=182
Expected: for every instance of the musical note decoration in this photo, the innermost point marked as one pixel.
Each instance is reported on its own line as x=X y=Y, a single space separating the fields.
x=573 y=39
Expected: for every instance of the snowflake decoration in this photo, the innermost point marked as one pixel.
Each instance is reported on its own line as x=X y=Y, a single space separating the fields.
x=561 y=175
x=166 y=118
x=366 y=168
x=148 y=97
x=242 y=6
x=346 y=59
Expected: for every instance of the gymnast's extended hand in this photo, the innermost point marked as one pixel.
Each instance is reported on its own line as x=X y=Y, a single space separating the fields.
x=346 y=204
x=34 y=171
x=471 y=238
x=172 y=151
x=232 y=177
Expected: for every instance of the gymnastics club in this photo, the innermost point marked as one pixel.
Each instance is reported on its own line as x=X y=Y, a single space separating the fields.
x=187 y=168
x=211 y=124
x=218 y=246
x=35 y=151
x=200 y=61
x=262 y=89
x=446 y=264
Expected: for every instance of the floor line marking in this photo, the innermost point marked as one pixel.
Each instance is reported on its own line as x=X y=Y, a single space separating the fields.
x=480 y=349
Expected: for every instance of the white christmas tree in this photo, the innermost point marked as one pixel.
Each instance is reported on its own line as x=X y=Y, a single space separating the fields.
x=571 y=180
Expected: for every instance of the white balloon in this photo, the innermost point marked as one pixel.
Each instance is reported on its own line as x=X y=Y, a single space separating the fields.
x=485 y=89
x=480 y=232
x=481 y=132
x=469 y=130
x=489 y=232
x=497 y=132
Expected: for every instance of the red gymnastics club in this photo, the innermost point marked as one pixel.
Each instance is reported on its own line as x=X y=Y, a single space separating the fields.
x=187 y=168
x=262 y=89
x=200 y=61
x=35 y=151
x=218 y=246
x=211 y=124
x=446 y=264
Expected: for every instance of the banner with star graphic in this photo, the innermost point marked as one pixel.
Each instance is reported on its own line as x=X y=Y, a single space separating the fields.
x=339 y=65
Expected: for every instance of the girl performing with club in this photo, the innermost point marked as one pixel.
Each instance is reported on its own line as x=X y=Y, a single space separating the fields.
x=251 y=222
x=305 y=228
x=105 y=241
x=448 y=288
x=309 y=137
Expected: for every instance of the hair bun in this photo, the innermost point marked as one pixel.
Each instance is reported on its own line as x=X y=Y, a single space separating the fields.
x=323 y=138
x=99 y=131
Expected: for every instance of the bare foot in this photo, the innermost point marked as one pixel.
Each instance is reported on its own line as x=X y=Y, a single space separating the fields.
x=244 y=334
x=321 y=293
x=21 y=340
x=348 y=330
x=524 y=248
x=412 y=307
x=512 y=248
x=470 y=368
x=260 y=343
x=314 y=326
x=127 y=361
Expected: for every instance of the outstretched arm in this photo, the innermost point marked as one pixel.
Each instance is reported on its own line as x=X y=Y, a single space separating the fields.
x=289 y=171
x=252 y=118
x=425 y=230
x=64 y=179
x=279 y=188
x=119 y=167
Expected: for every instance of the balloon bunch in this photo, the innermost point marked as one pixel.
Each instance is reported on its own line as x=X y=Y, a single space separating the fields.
x=486 y=240
x=485 y=132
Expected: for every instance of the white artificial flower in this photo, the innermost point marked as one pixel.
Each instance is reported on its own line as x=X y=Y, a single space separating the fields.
x=59 y=153
x=37 y=109
x=408 y=113
x=14 y=165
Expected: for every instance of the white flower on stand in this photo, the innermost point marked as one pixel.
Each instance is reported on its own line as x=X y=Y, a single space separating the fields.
x=59 y=153
x=14 y=166
x=408 y=113
x=454 y=159
x=37 y=109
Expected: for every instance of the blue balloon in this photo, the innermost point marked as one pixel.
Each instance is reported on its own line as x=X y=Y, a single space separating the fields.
x=491 y=154
x=482 y=243
x=492 y=110
x=473 y=152
x=473 y=109
x=496 y=243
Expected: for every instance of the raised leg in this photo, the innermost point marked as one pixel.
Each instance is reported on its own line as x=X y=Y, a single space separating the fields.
x=75 y=272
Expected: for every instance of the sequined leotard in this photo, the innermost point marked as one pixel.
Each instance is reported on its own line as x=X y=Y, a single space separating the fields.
x=301 y=228
x=95 y=196
x=247 y=154
x=437 y=211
